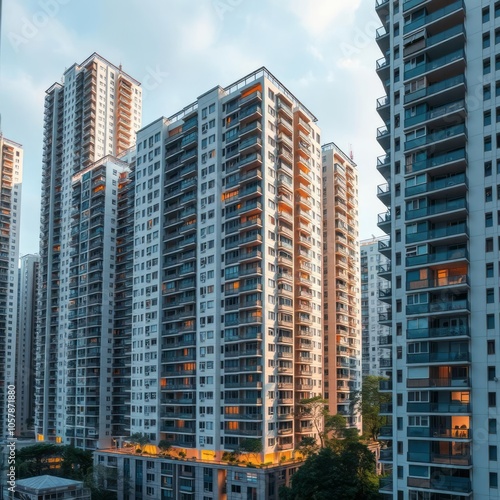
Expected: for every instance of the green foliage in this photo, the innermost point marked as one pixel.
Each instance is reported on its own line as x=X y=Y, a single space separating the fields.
x=368 y=400
x=164 y=446
x=345 y=473
x=251 y=446
x=315 y=408
x=307 y=446
x=53 y=459
x=139 y=440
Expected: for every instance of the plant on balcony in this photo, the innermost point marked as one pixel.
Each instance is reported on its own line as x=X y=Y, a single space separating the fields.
x=139 y=440
x=251 y=446
x=164 y=446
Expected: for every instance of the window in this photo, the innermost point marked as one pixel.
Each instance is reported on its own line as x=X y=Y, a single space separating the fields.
x=487 y=169
x=493 y=480
x=490 y=295
x=486 y=92
x=489 y=244
x=487 y=118
x=486 y=40
x=488 y=194
x=490 y=323
x=491 y=347
x=486 y=14
x=489 y=270
x=492 y=426
x=487 y=143
x=486 y=66
x=492 y=399
x=492 y=453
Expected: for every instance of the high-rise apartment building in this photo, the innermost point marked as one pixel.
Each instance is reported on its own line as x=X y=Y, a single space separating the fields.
x=227 y=259
x=25 y=343
x=341 y=299
x=89 y=118
x=375 y=303
x=227 y=288
x=440 y=72
x=11 y=172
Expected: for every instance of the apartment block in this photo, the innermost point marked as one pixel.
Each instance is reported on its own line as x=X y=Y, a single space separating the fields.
x=226 y=319
x=440 y=73
x=90 y=119
x=11 y=172
x=341 y=282
x=25 y=343
x=376 y=298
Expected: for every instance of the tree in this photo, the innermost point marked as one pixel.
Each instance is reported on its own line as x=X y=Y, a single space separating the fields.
x=139 y=440
x=53 y=459
x=315 y=408
x=164 y=446
x=251 y=446
x=348 y=473
x=307 y=446
x=369 y=401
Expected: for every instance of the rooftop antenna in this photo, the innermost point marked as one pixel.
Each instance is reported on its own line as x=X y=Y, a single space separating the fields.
x=351 y=153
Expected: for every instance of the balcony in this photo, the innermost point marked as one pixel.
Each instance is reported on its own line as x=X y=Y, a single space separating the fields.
x=439 y=432
x=459 y=329
x=462 y=383
x=458 y=230
x=453 y=136
x=455 y=86
x=448 y=183
x=384 y=221
x=454 y=111
x=384 y=165
x=385 y=430
x=384 y=247
x=445 y=281
x=454 y=408
x=439 y=458
x=438 y=208
x=432 y=17
x=384 y=137
x=446 y=162
x=438 y=305
x=438 y=256
x=383 y=67
x=384 y=194
x=442 y=482
x=438 y=357
x=382 y=38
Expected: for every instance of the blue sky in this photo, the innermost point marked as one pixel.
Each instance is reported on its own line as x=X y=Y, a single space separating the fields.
x=322 y=50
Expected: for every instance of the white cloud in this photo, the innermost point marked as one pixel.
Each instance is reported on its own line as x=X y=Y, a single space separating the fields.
x=318 y=16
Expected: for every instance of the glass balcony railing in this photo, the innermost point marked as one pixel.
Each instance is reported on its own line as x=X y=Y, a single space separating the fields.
x=437 y=136
x=436 y=161
x=447 y=182
x=438 y=407
x=435 y=64
x=439 y=256
x=435 y=88
x=443 y=232
x=438 y=357
x=448 y=331
x=438 y=208
x=438 y=306
x=438 y=14
x=435 y=113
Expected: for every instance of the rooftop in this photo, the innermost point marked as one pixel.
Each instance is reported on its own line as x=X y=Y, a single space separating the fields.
x=39 y=484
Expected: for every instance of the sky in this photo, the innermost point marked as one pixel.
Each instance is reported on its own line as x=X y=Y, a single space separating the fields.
x=323 y=51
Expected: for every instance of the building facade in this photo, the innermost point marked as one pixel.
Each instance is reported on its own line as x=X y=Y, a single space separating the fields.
x=375 y=302
x=227 y=272
x=93 y=114
x=11 y=172
x=25 y=343
x=341 y=283
x=440 y=74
